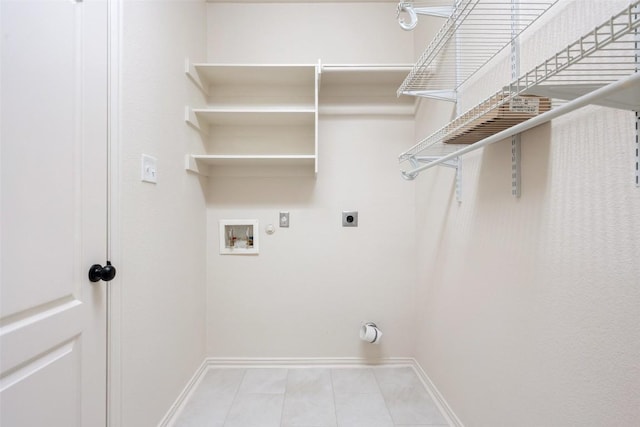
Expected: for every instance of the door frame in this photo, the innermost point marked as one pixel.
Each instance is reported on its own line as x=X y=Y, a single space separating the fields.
x=114 y=217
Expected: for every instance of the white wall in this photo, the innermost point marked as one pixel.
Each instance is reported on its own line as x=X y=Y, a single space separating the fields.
x=311 y=286
x=313 y=283
x=163 y=225
x=529 y=306
x=336 y=33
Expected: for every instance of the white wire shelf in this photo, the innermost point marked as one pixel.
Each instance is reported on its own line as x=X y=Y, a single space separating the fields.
x=600 y=68
x=474 y=32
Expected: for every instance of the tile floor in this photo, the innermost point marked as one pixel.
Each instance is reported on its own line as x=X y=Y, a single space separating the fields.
x=310 y=397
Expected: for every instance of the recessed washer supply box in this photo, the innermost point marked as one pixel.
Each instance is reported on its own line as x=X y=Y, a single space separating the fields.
x=239 y=236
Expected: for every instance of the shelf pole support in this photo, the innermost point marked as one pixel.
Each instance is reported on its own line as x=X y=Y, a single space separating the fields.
x=455 y=163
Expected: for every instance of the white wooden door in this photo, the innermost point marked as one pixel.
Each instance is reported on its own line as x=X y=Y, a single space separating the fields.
x=53 y=205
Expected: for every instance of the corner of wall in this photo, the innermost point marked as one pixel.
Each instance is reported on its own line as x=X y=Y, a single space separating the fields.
x=163 y=224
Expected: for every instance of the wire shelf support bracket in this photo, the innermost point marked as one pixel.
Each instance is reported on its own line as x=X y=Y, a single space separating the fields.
x=454 y=163
x=516 y=151
x=440 y=11
x=636 y=11
x=637 y=149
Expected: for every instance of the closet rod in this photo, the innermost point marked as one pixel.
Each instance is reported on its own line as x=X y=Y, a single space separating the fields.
x=584 y=100
x=360 y=68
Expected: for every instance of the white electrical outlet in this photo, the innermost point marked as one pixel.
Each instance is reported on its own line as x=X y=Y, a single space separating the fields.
x=149 y=169
x=284 y=219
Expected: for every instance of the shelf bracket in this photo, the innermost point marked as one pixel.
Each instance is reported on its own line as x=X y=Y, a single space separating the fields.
x=459 y=179
x=415 y=161
x=637 y=113
x=441 y=95
x=637 y=149
x=192 y=120
x=192 y=74
x=455 y=163
x=413 y=12
x=515 y=72
x=515 y=165
x=191 y=164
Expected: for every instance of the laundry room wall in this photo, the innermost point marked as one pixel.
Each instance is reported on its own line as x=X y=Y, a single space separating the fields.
x=313 y=284
x=528 y=306
x=302 y=33
x=162 y=275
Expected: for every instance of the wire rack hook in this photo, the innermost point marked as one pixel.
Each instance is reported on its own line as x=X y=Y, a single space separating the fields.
x=413 y=16
x=440 y=9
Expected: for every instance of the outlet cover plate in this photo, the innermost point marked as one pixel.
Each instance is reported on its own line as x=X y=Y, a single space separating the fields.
x=349 y=218
x=284 y=219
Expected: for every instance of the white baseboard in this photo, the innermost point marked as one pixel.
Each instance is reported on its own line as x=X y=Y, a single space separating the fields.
x=335 y=362
x=437 y=397
x=183 y=397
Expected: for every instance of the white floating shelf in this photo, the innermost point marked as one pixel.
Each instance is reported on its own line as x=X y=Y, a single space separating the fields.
x=270 y=109
x=253 y=160
x=257 y=116
x=392 y=75
x=364 y=90
x=250 y=74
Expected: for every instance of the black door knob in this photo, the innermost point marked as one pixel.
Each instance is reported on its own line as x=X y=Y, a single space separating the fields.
x=106 y=273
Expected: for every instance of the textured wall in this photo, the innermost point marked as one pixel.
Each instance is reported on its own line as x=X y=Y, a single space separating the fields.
x=336 y=33
x=163 y=225
x=529 y=307
x=313 y=284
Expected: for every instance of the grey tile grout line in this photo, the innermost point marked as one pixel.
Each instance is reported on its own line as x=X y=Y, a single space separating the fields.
x=284 y=396
x=382 y=395
x=235 y=396
x=333 y=393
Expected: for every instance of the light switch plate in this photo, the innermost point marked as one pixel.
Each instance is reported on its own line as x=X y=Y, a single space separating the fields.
x=149 y=169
